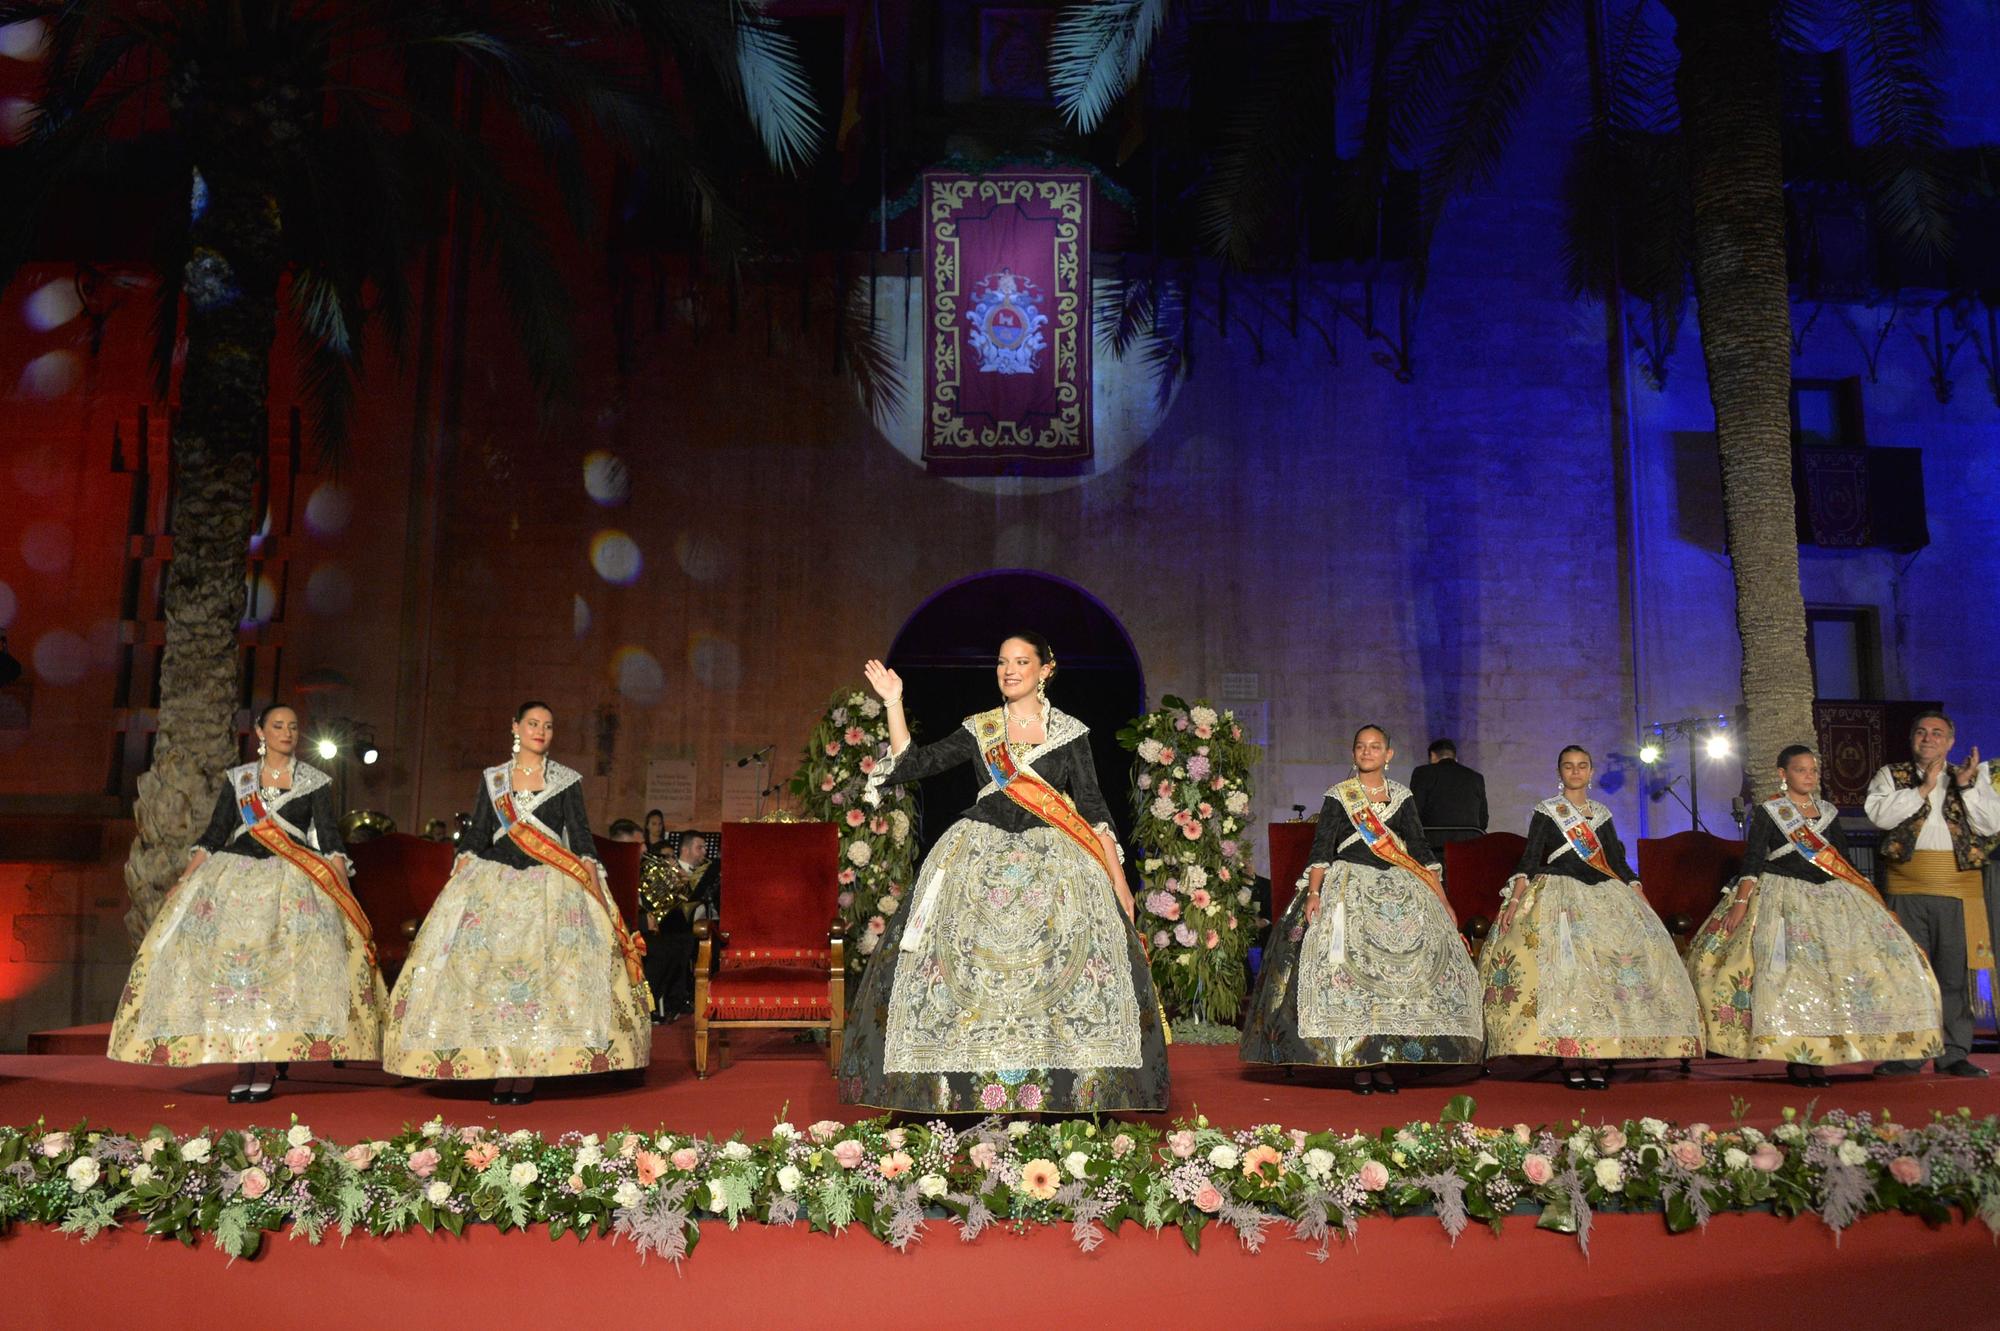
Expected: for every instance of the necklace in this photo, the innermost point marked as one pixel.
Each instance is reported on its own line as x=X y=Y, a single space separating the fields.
x=267 y=782
x=530 y=771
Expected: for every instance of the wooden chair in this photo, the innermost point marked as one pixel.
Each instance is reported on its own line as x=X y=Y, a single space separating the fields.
x=1291 y=847
x=397 y=877
x=773 y=960
x=1475 y=871
x=1684 y=875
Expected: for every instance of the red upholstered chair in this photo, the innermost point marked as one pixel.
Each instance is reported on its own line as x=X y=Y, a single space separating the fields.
x=1684 y=876
x=1291 y=847
x=621 y=874
x=775 y=960
x=1474 y=873
x=396 y=879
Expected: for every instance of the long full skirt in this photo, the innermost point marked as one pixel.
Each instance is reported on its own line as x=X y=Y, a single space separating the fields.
x=516 y=973
x=1586 y=970
x=248 y=962
x=1026 y=988
x=1381 y=977
x=1814 y=973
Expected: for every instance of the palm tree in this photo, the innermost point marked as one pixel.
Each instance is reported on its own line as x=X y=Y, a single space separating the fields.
x=1693 y=119
x=321 y=148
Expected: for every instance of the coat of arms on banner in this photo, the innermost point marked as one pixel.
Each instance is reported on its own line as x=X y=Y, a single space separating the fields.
x=1007 y=324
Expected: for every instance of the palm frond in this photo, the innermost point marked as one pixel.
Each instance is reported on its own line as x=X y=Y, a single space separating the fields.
x=872 y=359
x=1281 y=126
x=775 y=91
x=1096 y=52
x=328 y=334
x=1891 y=46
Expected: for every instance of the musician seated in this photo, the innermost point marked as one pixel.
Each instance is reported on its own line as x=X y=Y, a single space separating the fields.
x=674 y=891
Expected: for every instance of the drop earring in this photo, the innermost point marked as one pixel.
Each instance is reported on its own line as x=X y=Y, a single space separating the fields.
x=1042 y=689
x=260 y=748
x=517 y=744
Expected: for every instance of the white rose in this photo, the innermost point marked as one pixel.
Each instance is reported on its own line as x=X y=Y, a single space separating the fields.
x=195 y=1149
x=736 y=1150
x=1850 y=1152
x=299 y=1135
x=1195 y=876
x=523 y=1174
x=151 y=1147
x=888 y=904
x=1223 y=1156
x=1485 y=1158
x=785 y=1132
x=1735 y=1158
x=1653 y=1127
x=1319 y=1162
x=520 y=1137
x=438 y=1193
x=1018 y=1128
x=1610 y=1175
x=1752 y=1136
x=83 y=1173
x=932 y=1185
x=1583 y=1145
x=1788 y=1132
x=1077 y=1163
x=589 y=1154
x=1243 y=896
x=53 y=1145
x=142 y=1174
x=433 y=1128
x=588 y=1139
x=858 y=853
x=716 y=1197
x=789 y=1178
x=1151 y=866
x=627 y=1193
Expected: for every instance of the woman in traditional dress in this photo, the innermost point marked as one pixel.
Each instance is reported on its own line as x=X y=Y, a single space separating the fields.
x=1366 y=967
x=1802 y=961
x=1014 y=979
x=524 y=967
x=260 y=955
x=1579 y=966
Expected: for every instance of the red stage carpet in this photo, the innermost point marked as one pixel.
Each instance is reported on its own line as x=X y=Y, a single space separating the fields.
x=1743 y=1272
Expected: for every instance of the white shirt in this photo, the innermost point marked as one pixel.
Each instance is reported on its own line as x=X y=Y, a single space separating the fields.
x=1888 y=807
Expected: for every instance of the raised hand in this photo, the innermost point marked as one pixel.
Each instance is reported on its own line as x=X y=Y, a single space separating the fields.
x=1967 y=771
x=887 y=683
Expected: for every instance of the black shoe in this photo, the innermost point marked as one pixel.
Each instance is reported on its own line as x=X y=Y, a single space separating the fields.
x=1597 y=1079
x=1800 y=1074
x=1965 y=1067
x=1574 y=1079
x=257 y=1095
x=1900 y=1067
x=1362 y=1086
x=521 y=1098
x=1386 y=1084
x=238 y=1094
x=500 y=1097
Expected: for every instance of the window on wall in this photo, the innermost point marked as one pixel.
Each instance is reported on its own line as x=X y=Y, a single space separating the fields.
x=1826 y=413
x=1845 y=643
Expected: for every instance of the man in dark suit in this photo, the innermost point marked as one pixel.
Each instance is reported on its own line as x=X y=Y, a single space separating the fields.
x=1451 y=797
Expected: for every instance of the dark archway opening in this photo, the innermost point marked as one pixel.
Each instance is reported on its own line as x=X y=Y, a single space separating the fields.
x=945 y=654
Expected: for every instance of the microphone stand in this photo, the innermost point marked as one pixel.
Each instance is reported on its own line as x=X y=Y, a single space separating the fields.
x=1667 y=790
x=761 y=758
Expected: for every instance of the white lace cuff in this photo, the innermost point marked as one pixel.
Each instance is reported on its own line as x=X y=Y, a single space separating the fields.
x=1104 y=829
x=871 y=792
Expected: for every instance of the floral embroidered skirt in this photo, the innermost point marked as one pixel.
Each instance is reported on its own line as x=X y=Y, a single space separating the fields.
x=516 y=973
x=248 y=962
x=1814 y=973
x=1586 y=970
x=1381 y=977
x=1022 y=986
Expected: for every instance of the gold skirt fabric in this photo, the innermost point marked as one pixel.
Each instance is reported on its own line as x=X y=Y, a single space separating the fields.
x=249 y=962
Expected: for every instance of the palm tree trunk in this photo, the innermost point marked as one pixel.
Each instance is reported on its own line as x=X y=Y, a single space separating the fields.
x=220 y=440
x=1727 y=88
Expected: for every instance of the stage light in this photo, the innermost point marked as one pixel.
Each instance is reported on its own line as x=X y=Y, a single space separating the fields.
x=1718 y=747
x=327 y=749
x=1649 y=754
x=369 y=755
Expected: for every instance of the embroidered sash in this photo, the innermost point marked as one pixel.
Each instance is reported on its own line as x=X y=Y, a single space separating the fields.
x=1574 y=824
x=1377 y=835
x=259 y=822
x=544 y=849
x=1815 y=849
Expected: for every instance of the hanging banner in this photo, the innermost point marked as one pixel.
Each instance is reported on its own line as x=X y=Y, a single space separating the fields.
x=1007 y=269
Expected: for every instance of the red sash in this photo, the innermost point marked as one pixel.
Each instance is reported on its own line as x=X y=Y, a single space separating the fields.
x=1045 y=802
x=1575 y=826
x=544 y=850
x=257 y=821
x=1815 y=849
x=1377 y=836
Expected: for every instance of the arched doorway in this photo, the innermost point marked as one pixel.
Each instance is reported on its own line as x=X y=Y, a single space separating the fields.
x=945 y=653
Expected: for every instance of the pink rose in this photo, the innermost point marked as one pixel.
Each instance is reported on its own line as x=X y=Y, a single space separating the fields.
x=360 y=1155
x=298 y=1158
x=1298 y=1136
x=1767 y=1158
x=1905 y=1169
x=1611 y=1140
x=1208 y=1199
x=1181 y=1143
x=1121 y=1145
x=1826 y=1134
x=471 y=1134
x=629 y=1147
x=685 y=1159
x=575 y=1183
x=650 y=1165
x=253 y=1183
x=1374 y=1176
x=1202 y=900
x=982 y=1155
x=849 y=1154
x=1537 y=1169
x=1180 y=723
x=855 y=817
x=424 y=1163
x=481 y=1156
x=897 y=1138
x=825 y=1130
x=253 y=1150
x=1686 y=1154
x=1236 y=732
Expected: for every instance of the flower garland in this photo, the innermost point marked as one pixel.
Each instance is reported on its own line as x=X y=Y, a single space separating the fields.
x=877 y=849
x=656 y=1189
x=1191 y=796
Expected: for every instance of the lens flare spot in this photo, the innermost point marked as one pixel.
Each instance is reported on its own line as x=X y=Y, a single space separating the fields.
x=51 y=375
x=637 y=675
x=61 y=657
x=616 y=558
x=329 y=510
x=330 y=590
x=715 y=662
x=26 y=40
x=51 y=305
x=703 y=556
x=46 y=547
x=606 y=479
